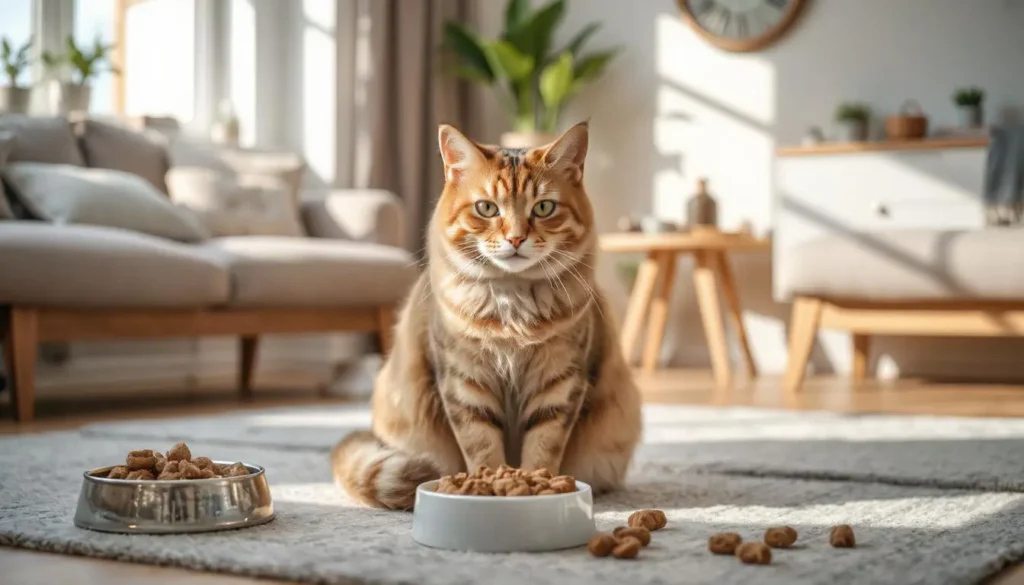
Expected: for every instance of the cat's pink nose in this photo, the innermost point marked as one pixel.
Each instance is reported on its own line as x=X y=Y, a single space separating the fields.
x=516 y=242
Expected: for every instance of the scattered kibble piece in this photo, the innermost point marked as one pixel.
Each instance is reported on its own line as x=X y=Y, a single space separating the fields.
x=601 y=545
x=649 y=519
x=754 y=553
x=780 y=537
x=724 y=543
x=626 y=548
x=638 y=532
x=842 y=537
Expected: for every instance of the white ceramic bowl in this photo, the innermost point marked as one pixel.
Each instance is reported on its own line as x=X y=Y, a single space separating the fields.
x=503 y=524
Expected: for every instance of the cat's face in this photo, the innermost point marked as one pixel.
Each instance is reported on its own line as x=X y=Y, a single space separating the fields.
x=521 y=212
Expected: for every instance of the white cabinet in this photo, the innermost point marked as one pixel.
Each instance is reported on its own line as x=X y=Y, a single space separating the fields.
x=852 y=192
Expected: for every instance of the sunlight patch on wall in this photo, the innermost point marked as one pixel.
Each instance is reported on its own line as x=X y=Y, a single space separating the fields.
x=715 y=112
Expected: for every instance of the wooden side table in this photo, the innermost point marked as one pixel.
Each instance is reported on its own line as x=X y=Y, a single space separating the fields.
x=652 y=291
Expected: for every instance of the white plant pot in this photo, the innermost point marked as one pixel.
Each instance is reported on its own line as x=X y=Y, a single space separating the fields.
x=15 y=100
x=851 y=131
x=971 y=116
x=66 y=97
x=526 y=139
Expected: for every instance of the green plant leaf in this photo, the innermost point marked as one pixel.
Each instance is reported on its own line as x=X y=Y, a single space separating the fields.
x=581 y=37
x=592 y=66
x=556 y=81
x=464 y=44
x=516 y=11
x=5 y=49
x=533 y=37
x=507 y=61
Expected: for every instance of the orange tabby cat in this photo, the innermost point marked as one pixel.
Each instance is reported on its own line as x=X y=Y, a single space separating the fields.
x=504 y=351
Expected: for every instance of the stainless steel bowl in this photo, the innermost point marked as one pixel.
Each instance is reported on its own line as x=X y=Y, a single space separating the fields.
x=167 y=507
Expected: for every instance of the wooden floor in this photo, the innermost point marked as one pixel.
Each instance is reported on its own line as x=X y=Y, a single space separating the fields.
x=22 y=567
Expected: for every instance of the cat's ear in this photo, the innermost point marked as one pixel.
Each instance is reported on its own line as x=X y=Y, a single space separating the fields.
x=568 y=153
x=459 y=153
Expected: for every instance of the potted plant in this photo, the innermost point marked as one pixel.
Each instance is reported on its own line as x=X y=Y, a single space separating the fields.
x=534 y=80
x=14 y=99
x=852 y=122
x=969 y=102
x=85 y=64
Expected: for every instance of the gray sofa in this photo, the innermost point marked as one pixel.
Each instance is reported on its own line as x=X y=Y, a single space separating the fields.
x=63 y=282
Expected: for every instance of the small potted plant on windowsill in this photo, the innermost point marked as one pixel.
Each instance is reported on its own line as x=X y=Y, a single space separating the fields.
x=85 y=64
x=852 y=122
x=14 y=99
x=534 y=82
x=969 y=105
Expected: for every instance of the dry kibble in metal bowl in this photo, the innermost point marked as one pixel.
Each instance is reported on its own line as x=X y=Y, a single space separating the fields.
x=146 y=464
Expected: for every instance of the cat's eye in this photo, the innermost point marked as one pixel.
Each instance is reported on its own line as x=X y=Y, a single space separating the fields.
x=544 y=208
x=486 y=209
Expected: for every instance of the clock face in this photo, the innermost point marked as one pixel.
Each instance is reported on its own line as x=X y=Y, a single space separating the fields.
x=741 y=25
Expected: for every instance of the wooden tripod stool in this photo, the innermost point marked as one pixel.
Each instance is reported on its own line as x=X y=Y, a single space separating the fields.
x=652 y=291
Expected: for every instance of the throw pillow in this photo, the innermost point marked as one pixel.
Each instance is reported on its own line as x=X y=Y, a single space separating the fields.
x=109 y=146
x=228 y=207
x=75 y=195
x=6 y=145
x=250 y=167
x=42 y=140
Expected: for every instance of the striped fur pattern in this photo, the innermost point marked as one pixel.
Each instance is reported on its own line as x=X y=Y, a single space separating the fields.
x=504 y=351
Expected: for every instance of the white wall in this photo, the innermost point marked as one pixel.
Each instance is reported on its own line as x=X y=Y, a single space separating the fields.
x=673 y=109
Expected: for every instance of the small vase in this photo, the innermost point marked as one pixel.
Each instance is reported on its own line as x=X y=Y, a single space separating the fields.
x=15 y=100
x=970 y=116
x=526 y=139
x=701 y=208
x=849 y=131
x=66 y=97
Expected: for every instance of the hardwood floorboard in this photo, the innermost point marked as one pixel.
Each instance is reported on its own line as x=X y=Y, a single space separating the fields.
x=23 y=567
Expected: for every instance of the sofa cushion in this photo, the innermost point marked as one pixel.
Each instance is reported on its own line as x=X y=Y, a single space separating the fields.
x=227 y=207
x=6 y=145
x=108 y=146
x=908 y=265
x=42 y=140
x=74 y=195
x=270 y=271
x=87 y=266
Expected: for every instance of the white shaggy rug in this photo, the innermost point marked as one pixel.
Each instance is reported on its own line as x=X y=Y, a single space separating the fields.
x=709 y=469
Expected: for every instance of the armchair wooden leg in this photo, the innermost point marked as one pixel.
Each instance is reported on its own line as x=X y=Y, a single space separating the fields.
x=803 y=328
x=248 y=350
x=861 y=356
x=21 y=346
x=386 y=328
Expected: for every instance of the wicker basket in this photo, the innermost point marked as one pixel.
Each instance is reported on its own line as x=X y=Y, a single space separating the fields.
x=909 y=124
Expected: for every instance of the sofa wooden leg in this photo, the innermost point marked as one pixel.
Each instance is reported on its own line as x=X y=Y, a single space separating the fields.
x=21 y=346
x=803 y=328
x=861 y=356
x=248 y=349
x=386 y=328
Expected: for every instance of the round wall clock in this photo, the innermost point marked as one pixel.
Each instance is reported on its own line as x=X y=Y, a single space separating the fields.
x=741 y=25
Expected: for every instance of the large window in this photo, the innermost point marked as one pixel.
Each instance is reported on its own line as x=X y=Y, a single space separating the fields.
x=95 y=20
x=16 y=28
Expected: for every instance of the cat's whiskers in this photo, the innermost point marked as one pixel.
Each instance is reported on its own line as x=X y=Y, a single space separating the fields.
x=579 y=278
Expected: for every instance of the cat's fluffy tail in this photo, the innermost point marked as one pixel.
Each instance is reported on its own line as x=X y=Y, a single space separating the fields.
x=377 y=474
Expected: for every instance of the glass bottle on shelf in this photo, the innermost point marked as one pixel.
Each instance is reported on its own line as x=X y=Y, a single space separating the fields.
x=701 y=208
